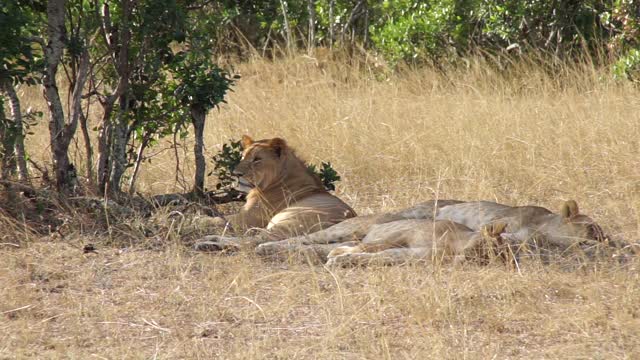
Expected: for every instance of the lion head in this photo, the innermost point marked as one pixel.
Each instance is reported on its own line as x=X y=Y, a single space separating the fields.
x=573 y=224
x=267 y=162
x=260 y=163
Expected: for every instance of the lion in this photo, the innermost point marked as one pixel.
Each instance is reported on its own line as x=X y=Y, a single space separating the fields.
x=563 y=229
x=525 y=225
x=351 y=231
x=437 y=241
x=284 y=198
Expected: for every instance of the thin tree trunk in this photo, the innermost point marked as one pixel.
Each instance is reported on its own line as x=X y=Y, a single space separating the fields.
x=7 y=166
x=53 y=53
x=16 y=132
x=103 y=165
x=121 y=128
x=6 y=163
x=76 y=114
x=365 y=40
x=120 y=57
x=287 y=27
x=119 y=149
x=355 y=13
x=332 y=5
x=87 y=148
x=136 y=168
x=311 y=4
x=198 y=116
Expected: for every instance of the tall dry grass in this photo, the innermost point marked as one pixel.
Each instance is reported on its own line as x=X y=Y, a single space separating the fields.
x=520 y=135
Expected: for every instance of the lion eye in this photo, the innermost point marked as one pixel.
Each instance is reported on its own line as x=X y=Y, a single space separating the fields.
x=256 y=159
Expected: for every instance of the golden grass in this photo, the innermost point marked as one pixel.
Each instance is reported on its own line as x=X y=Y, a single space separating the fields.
x=58 y=303
x=518 y=137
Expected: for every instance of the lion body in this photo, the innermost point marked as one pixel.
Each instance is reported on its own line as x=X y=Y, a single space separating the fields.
x=523 y=224
x=437 y=241
x=284 y=198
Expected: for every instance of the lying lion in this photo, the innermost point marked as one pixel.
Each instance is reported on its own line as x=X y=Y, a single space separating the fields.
x=284 y=198
x=432 y=241
x=525 y=225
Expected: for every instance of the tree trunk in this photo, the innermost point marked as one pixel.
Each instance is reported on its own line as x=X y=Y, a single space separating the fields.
x=287 y=26
x=198 y=116
x=365 y=36
x=16 y=133
x=87 y=148
x=119 y=149
x=332 y=5
x=311 y=4
x=53 y=53
x=111 y=129
x=103 y=165
x=136 y=168
x=356 y=12
x=7 y=166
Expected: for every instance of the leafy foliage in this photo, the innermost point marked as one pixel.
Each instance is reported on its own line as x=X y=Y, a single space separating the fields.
x=18 y=60
x=327 y=174
x=225 y=161
x=439 y=31
x=627 y=67
x=414 y=30
x=197 y=81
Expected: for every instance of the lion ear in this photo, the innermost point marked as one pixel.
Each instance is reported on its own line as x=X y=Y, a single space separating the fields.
x=570 y=209
x=278 y=145
x=246 y=141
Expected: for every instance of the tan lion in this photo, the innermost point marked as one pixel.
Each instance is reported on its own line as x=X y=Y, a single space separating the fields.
x=533 y=226
x=284 y=198
x=438 y=241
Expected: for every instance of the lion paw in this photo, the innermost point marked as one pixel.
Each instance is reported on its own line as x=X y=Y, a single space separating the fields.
x=350 y=260
x=207 y=246
x=342 y=250
x=215 y=243
x=213 y=221
x=270 y=248
x=339 y=261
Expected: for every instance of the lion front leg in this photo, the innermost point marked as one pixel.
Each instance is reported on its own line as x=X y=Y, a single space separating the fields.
x=349 y=258
x=353 y=229
x=287 y=249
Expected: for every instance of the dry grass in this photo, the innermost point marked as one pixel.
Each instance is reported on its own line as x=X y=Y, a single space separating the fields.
x=518 y=137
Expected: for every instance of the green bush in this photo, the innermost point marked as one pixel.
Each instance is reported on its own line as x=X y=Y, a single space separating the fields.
x=418 y=30
x=224 y=162
x=327 y=175
x=627 y=67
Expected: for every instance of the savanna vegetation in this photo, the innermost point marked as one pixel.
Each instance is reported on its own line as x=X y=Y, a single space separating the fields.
x=118 y=121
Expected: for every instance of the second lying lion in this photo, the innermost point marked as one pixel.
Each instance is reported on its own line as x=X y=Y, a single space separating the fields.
x=432 y=241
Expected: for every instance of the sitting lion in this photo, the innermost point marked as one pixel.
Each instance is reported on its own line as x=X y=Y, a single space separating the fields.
x=284 y=198
x=525 y=225
x=433 y=241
